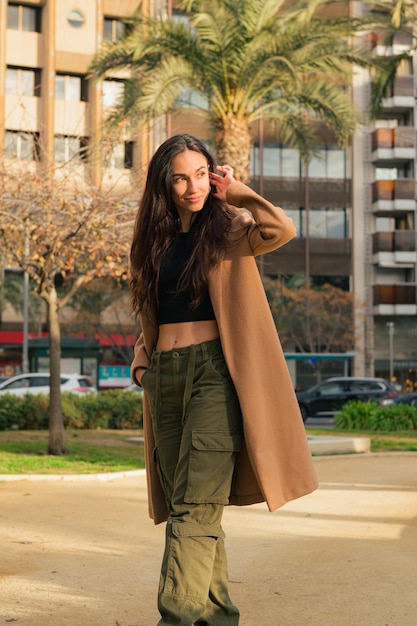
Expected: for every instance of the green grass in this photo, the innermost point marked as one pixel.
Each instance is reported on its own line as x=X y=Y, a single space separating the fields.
x=96 y=451
x=399 y=441
x=90 y=452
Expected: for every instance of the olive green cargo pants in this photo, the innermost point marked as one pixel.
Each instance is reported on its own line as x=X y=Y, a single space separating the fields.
x=197 y=426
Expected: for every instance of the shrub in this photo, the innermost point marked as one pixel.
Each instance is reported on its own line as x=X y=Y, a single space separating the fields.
x=11 y=414
x=108 y=409
x=358 y=415
x=35 y=411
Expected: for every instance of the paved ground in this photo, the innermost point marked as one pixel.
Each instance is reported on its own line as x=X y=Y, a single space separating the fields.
x=83 y=553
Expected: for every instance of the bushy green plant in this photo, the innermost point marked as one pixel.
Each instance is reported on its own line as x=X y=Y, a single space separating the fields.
x=35 y=411
x=11 y=414
x=114 y=409
x=358 y=415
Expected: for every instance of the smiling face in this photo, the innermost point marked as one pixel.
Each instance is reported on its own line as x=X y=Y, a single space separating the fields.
x=190 y=185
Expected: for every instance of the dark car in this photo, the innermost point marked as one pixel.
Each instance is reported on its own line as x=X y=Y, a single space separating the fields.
x=408 y=398
x=328 y=397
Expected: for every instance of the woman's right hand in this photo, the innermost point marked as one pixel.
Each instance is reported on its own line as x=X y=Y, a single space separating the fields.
x=222 y=182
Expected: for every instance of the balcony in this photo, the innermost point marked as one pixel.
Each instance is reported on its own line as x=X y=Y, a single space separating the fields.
x=394 y=145
x=378 y=40
x=401 y=97
x=394 y=249
x=389 y=196
x=398 y=299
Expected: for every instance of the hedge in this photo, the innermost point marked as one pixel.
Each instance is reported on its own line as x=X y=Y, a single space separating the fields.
x=114 y=409
x=357 y=415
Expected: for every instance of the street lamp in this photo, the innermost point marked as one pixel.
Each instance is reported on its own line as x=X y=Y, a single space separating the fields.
x=391 y=329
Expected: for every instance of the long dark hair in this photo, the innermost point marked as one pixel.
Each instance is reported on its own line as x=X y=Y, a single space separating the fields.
x=157 y=223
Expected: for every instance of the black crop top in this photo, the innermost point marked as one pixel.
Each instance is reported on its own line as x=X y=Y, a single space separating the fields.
x=175 y=307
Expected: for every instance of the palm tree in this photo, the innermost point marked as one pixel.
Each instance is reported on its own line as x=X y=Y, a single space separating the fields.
x=247 y=60
x=394 y=17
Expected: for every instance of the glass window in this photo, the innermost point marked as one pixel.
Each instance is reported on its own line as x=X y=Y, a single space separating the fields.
x=19 y=145
x=22 y=383
x=11 y=81
x=22 y=82
x=113 y=92
x=73 y=88
x=60 y=87
x=189 y=98
x=29 y=22
x=21 y=17
x=336 y=163
x=271 y=164
x=331 y=388
x=75 y=18
x=337 y=227
x=27 y=82
x=12 y=16
x=290 y=162
x=68 y=88
x=386 y=173
x=317 y=224
x=67 y=148
x=39 y=381
x=325 y=223
x=121 y=156
x=113 y=29
x=317 y=166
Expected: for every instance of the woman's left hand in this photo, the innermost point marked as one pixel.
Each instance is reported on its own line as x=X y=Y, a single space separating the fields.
x=221 y=182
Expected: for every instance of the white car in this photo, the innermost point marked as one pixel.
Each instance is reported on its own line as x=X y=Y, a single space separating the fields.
x=37 y=383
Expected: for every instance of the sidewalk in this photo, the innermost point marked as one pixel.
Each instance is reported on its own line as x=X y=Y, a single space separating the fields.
x=84 y=553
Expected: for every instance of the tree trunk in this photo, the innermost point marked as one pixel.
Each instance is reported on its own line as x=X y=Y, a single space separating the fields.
x=232 y=145
x=56 y=421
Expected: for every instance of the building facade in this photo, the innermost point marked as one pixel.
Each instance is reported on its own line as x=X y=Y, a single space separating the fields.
x=355 y=209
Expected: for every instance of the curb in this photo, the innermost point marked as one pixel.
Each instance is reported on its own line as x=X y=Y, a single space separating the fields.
x=105 y=476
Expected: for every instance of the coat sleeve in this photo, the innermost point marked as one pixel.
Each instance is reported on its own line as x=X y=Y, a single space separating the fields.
x=269 y=228
x=140 y=360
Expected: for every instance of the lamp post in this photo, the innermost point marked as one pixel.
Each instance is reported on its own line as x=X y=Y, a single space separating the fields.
x=391 y=329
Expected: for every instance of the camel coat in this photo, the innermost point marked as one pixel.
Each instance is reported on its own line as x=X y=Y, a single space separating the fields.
x=274 y=464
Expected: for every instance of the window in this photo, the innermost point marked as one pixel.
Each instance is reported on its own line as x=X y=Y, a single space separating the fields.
x=284 y=161
x=406 y=170
x=331 y=162
x=278 y=160
x=22 y=81
x=70 y=88
x=325 y=223
x=68 y=148
x=22 y=17
x=113 y=29
x=75 y=18
x=19 y=145
x=191 y=99
x=121 y=157
x=113 y=92
x=331 y=388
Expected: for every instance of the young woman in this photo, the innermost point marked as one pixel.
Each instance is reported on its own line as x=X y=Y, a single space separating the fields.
x=221 y=420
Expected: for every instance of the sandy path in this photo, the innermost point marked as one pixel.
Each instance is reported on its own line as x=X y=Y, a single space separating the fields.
x=84 y=553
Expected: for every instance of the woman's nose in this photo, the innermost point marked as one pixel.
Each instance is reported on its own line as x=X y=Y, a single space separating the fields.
x=192 y=184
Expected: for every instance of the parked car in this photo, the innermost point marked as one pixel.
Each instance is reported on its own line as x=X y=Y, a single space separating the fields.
x=39 y=383
x=328 y=397
x=134 y=389
x=408 y=398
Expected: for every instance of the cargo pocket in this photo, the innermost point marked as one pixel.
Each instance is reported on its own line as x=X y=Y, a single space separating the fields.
x=211 y=464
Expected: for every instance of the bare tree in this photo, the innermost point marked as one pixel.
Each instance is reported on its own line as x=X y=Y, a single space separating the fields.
x=61 y=232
